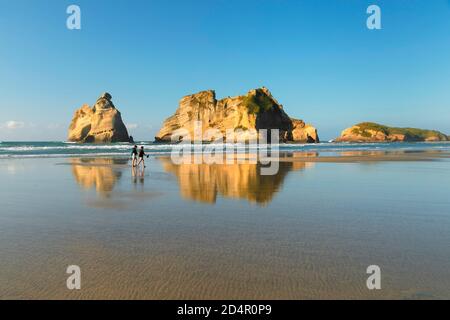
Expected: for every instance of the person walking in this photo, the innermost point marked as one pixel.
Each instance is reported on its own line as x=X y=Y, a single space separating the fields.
x=141 y=157
x=134 y=155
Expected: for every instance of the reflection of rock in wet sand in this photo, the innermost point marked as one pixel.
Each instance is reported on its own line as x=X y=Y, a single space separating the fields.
x=202 y=182
x=96 y=173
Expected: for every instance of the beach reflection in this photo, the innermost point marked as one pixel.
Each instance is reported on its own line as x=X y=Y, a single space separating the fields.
x=242 y=179
x=204 y=182
x=199 y=182
x=102 y=174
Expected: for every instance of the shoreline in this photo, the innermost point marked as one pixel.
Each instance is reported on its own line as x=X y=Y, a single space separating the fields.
x=325 y=156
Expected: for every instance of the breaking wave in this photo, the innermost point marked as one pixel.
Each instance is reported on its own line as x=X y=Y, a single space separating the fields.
x=70 y=149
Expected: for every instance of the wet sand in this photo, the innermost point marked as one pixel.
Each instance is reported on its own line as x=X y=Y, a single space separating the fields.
x=200 y=231
x=365 y=156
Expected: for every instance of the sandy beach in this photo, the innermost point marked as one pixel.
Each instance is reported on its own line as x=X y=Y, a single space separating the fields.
x=225 y=231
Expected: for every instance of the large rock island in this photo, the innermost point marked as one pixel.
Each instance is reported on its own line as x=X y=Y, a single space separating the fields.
x=100 y=124
x=254 y=111
x=374 y=132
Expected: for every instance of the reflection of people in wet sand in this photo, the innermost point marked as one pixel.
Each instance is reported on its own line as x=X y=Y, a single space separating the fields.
x=141 y=157
x=138 y=172
x=134 y=174
x=141 y=176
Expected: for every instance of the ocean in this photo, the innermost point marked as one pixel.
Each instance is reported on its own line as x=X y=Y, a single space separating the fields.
x=56 y=149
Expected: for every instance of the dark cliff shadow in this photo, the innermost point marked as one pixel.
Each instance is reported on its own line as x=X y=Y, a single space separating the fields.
x=274 y=118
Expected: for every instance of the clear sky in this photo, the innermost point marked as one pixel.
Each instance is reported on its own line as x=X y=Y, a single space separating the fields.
x=316 y=56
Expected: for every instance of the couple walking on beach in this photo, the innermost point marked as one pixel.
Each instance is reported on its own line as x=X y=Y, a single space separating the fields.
x=135 y=154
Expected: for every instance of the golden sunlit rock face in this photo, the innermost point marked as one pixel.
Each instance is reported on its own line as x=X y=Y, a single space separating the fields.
x=99 y=124
x=96 y=173
x=204 y=182
x=243 y=115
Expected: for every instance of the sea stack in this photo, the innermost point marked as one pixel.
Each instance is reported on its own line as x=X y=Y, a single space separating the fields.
x=256 y=110
x=374 y=132
x=100 y=124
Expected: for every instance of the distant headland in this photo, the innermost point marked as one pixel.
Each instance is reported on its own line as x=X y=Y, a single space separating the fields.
x=374 y=132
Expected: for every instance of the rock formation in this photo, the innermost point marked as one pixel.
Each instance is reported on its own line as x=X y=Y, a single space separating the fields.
x=242 y=114
x=374 y=132
x=99 y=124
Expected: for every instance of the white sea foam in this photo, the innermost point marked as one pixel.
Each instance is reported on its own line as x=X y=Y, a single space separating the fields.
x=69 y=149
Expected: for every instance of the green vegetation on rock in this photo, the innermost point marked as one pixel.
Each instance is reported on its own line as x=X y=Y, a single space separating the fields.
x=258 y=103
x=412 y=134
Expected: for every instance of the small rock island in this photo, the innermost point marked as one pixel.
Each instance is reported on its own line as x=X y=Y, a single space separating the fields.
x=258 y=109
x=100 y=124
x=374 y=132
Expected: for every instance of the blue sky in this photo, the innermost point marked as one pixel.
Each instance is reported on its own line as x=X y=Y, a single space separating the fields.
x=316 y=56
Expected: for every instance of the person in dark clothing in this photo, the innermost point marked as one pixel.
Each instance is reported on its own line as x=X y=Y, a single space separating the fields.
x=141 y=156
x=134 y=155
